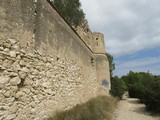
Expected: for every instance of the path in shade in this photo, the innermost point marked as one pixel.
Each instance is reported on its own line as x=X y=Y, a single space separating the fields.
x=131 y=109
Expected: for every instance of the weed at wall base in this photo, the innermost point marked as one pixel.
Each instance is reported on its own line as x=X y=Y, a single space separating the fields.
x=98 y=108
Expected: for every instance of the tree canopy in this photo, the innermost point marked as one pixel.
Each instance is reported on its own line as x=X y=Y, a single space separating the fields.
x=71 y=11
x=111 y=64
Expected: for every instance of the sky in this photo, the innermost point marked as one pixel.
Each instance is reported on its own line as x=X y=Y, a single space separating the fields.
x=132 y=32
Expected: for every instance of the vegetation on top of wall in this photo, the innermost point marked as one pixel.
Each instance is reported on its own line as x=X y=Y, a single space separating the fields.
x=98 y=108
x=71 y=11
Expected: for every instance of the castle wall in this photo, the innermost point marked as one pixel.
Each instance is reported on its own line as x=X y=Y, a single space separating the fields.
x=95 y=41
x=44 y=65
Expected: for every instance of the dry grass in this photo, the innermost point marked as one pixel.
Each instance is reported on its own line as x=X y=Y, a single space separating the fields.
x=100 y=108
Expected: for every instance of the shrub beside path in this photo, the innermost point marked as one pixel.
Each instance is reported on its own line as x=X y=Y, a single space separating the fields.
x=131 y=109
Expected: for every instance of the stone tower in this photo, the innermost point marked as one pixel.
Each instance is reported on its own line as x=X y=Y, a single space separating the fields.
x=102 y=67
x=95 y=41
x=99 y=46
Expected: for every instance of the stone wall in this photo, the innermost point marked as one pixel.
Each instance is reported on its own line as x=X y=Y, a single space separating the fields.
x=95 y=41
x=44 y=65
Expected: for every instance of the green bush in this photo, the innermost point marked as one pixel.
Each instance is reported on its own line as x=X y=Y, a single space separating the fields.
x=152 y=96
x=146 y=87
x=118 y=87
x=99 y=108
x=136 y=90
x=137 y=83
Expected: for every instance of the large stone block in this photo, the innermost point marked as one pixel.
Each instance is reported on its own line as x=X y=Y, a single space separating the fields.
x=15 y=81
x=4 y=80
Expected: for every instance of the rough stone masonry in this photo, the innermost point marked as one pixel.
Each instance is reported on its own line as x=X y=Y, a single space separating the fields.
x=44 y=64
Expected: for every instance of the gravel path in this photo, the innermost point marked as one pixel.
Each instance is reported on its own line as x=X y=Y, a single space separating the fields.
x=130 y=109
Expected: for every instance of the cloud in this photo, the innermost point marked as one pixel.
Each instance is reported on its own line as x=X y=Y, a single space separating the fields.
x=138 y=63
x=151 y=64
x=128 y=25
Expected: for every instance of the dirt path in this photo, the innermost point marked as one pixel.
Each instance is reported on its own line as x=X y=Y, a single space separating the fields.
x=130 y=109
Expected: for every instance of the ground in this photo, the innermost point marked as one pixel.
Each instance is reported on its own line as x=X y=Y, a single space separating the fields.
x=131 y=109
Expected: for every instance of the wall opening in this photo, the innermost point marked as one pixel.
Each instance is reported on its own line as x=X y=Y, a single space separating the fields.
x=92 y=61
x=97 y=41
x=35 y=12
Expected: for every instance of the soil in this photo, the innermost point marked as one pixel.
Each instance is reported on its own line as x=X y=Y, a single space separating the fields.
x=132 y=109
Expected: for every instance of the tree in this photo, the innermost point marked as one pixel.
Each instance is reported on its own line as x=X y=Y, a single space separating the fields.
x=111 y=64
x=146 y=87
x=118 y=87
x=152 y=96
x=137 y=83
x=71 y=11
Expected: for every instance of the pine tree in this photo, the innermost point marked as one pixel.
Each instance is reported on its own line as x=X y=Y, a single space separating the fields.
x=71 y=11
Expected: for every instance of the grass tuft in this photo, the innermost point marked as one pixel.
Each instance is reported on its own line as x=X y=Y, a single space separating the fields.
x=99 y=108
